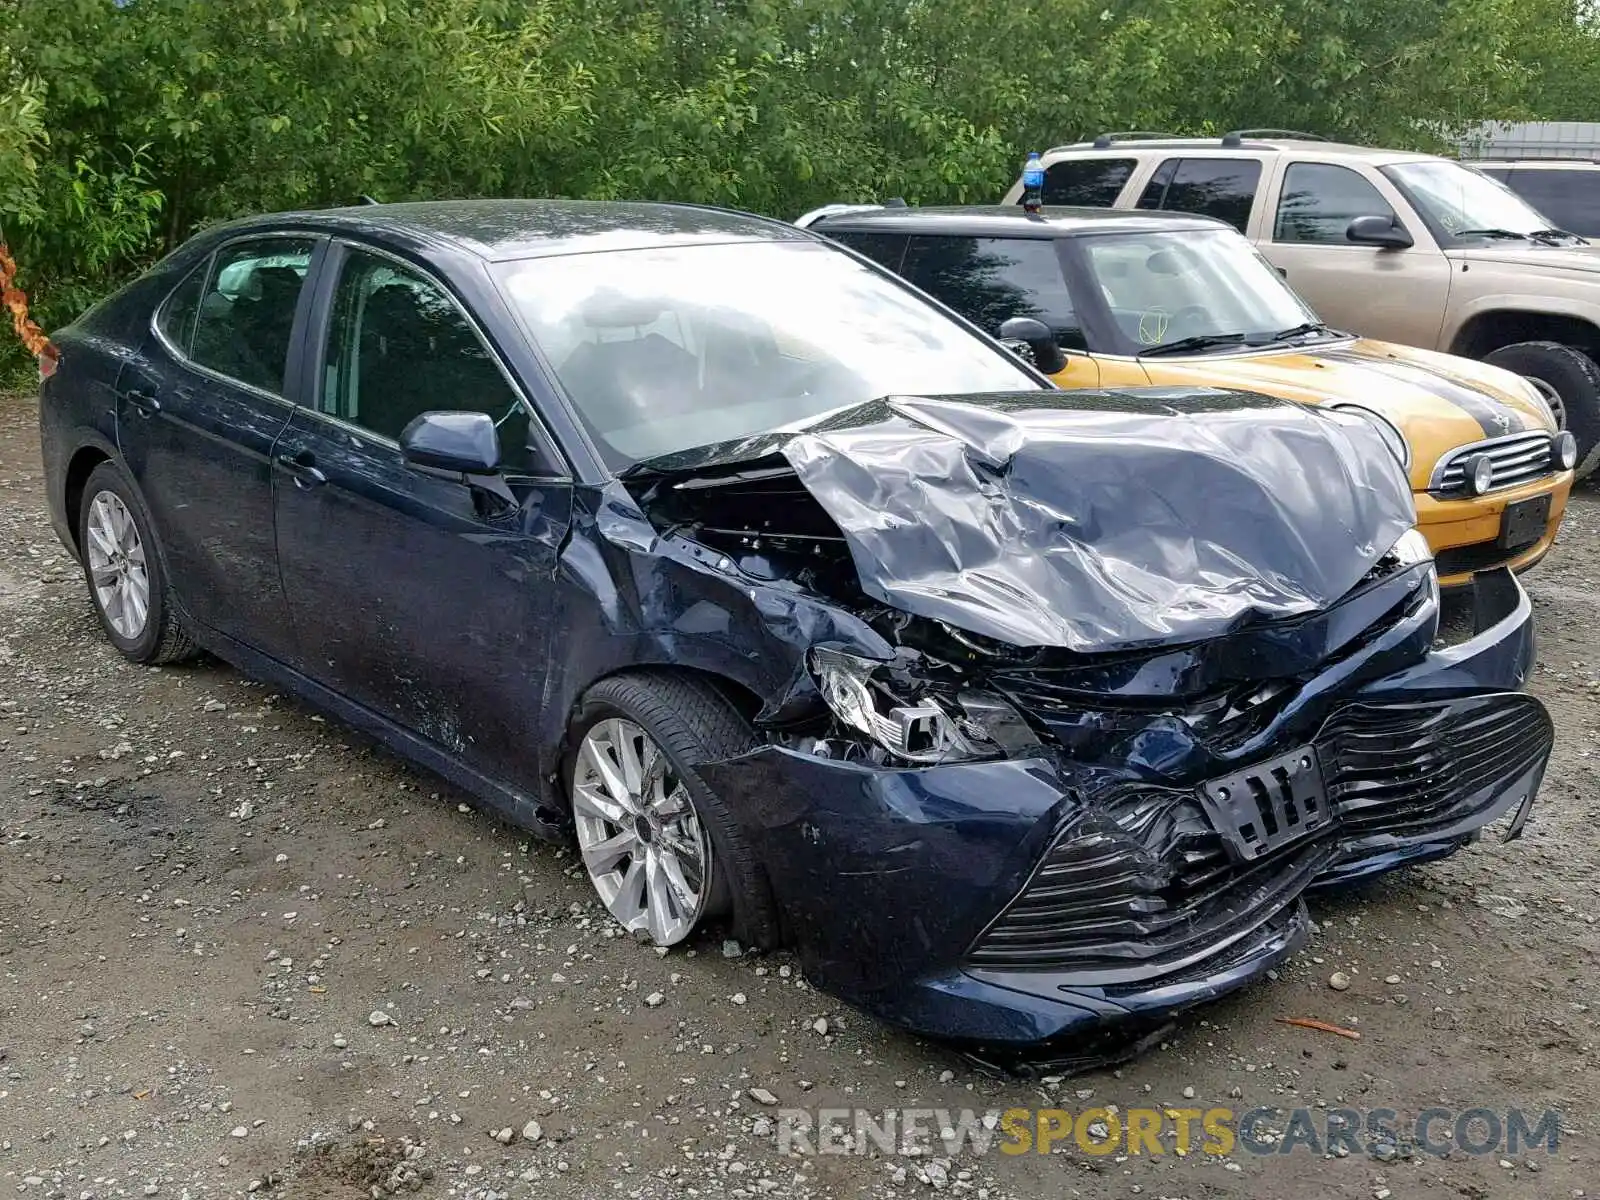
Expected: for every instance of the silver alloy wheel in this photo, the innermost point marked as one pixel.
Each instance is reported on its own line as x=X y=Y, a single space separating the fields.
x=646 y=852
x=1552 y=398
x=117 y=565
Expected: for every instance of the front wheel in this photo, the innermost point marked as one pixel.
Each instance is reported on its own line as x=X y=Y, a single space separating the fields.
x=1569 y=380
x=127 y=582
x=664 y=852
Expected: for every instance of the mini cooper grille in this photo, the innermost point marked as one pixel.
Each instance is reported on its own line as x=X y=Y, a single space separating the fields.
x=1516 y=459
x=1145 y=885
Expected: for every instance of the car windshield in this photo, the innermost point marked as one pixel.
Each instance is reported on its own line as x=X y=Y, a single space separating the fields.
x=1467 y=206
x=663 y=350
x=1192 y=290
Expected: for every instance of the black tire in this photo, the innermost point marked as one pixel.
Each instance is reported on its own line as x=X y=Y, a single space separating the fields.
x=693 y=723
x=163 y=639
x=1575 y=378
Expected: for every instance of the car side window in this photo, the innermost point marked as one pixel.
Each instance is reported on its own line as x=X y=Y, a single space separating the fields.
x=177 y=315
x=1571 y=199
x=399 y=346
x=1319 y=200
x=885 y=249
x=1224 y=188
x=246 y=314
x=988 y=280
x=1087 y=182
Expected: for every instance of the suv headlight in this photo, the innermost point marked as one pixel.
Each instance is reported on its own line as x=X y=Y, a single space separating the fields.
x=926 y=729
x=1392 y=437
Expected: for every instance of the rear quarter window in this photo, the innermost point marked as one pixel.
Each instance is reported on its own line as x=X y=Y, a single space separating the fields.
x=1086 y=182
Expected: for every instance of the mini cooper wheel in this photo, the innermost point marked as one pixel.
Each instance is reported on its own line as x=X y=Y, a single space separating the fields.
x=122 y=564
x=662 y=850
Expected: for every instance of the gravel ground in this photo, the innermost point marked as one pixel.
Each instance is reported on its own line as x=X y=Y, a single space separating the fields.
x=242 y=949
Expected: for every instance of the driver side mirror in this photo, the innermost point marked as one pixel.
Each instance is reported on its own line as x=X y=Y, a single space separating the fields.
x=1384 y=232
x=465 y=443
x=1036 y=335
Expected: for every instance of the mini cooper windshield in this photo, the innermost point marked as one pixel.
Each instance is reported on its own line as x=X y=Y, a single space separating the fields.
x=667 y=349
x=1191 y=291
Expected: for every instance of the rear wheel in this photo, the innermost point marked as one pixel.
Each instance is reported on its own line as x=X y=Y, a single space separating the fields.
x=663 y=851
x=122 y=564
x=1569 y=380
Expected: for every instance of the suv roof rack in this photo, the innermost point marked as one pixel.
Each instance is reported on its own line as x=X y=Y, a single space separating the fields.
x=1102 y=140
x=1235 y=137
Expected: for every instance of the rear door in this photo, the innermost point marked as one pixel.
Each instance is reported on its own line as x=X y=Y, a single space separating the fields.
x=416 y=594
x=198 y=412
x=1224 y=188
x=1397 y=295
x=990 y=280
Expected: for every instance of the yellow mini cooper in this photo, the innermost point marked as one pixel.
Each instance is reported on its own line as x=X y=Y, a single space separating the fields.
x=1101 y=298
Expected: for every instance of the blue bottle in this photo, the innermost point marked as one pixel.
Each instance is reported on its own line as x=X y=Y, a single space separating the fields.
x=1032 y=183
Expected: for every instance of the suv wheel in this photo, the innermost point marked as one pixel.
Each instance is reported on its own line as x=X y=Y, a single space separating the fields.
x=1570 y=382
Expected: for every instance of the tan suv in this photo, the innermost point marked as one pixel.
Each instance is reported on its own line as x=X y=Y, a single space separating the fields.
x=1397 y=246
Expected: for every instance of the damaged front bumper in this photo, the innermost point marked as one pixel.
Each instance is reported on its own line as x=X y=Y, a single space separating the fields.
x=1061 y=910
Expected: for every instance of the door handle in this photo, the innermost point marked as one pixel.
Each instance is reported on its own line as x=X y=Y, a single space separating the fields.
x=302 y=468
x=144 y=403
x=1284 y=271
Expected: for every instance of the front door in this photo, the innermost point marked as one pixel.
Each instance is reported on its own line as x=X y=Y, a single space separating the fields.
x=421 y=597
x=198 y=412
x=1395 y=295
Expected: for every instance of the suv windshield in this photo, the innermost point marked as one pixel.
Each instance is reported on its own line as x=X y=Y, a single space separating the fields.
x=1192 y=290
x=1465 y=206
x=665 y=350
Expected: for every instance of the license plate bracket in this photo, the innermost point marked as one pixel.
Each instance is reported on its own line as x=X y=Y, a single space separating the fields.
x=1270 y=805
x=1523 y=522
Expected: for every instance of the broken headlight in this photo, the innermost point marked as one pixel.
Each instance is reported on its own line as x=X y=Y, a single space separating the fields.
x=924 y=729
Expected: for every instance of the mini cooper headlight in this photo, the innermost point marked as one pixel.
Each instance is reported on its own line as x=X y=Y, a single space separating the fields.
x=930 y=729
x=1392 y=437
x=1564 y=449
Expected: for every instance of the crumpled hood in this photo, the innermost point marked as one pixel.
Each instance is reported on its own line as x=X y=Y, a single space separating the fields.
x=1098 y=521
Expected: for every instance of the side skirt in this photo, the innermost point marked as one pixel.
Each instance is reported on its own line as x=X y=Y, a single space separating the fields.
x=514 y=805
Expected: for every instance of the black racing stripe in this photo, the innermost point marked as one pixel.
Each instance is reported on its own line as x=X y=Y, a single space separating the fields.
x=1495 y=417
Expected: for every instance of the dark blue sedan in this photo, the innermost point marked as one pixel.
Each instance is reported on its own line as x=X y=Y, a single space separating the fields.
x=1027 y=717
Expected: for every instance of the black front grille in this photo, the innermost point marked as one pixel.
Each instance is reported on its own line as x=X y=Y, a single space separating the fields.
x=1143 y=884
x=1403 y=768
x=1135 y=888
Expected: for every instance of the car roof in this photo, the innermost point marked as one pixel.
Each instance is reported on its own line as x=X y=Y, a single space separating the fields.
x=1010 y=220
x=1226 y=148
x=512 y=229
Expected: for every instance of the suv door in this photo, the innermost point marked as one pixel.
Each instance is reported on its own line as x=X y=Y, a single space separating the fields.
x=198 y=412
x=419 y=595
x=1224 y=188
x=1399 y=295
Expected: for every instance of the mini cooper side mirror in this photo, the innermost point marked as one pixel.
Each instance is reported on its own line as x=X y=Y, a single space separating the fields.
x=1384 y=232
x=463 y=442
x=1036 y=335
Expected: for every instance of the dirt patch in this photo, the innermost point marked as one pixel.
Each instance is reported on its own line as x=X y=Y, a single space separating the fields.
x=240 y=946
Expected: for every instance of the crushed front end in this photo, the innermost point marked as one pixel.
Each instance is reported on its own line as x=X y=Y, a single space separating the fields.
x=1046 y=851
